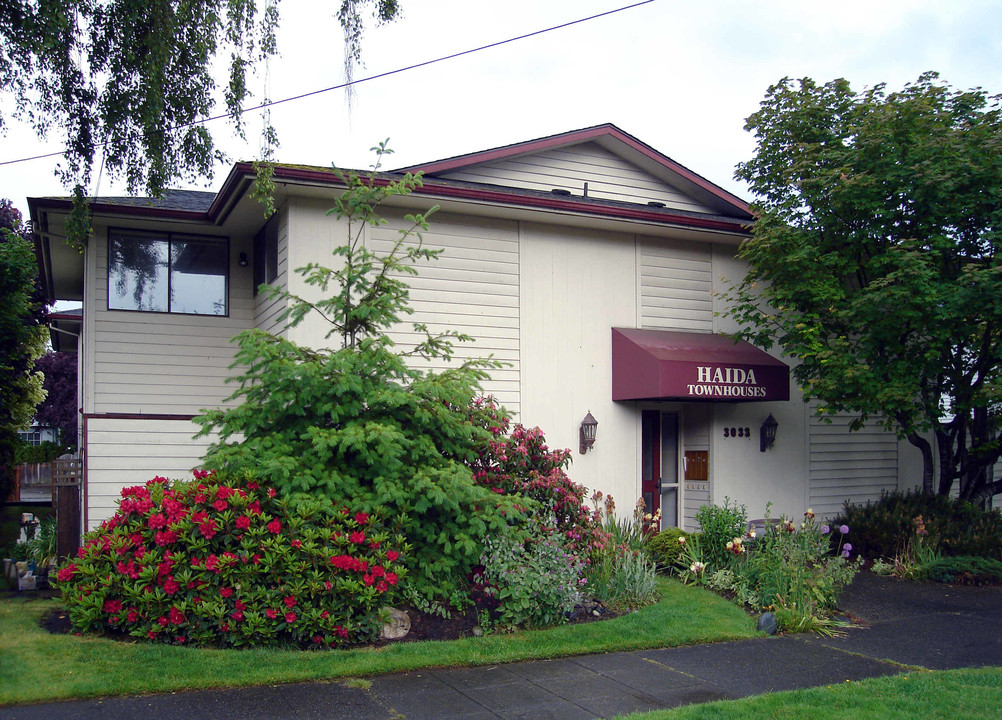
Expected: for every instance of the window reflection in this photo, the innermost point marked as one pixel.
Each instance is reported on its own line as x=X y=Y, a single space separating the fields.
x=166 y=273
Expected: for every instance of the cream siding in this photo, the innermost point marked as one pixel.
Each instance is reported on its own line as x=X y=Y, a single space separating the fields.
x=163 y=363
x=126 y=452
x=267 y=310
x=849 y=465
x=696 y=428
x=472 y=288
x=608 y=176
x=676 y=286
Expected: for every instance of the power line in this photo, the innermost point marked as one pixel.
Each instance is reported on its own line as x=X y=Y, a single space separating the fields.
x=378 y=76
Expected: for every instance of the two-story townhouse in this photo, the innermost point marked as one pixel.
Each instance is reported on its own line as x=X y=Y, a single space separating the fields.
x=587 y=261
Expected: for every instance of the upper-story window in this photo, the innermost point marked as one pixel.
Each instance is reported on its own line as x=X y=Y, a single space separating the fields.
x=166 y=272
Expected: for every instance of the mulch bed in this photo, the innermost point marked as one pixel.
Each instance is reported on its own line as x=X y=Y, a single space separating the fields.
x=423 y=626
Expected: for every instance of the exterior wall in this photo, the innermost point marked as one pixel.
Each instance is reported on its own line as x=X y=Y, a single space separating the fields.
x=267 y=310
x=576 y=285
x=676 y=286
x=858 y=465
x=124 y=452
x=157 y=363
x=472 y=289
x=608 y=176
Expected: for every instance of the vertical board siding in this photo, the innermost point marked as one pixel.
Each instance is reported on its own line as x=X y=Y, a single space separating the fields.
x=266 y=311
x=696 y=427
x=855 y=466
x=122 y=453
x=676 y=286
x=472 y=288
x=163 y=363
x=609 y=176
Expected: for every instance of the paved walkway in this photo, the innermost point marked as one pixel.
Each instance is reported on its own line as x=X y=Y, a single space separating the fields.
x=903 y=624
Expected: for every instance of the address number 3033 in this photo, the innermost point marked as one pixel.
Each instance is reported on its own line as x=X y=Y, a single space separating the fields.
x=737 y=432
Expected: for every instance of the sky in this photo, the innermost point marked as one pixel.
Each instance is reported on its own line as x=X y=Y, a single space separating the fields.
x=680 y=76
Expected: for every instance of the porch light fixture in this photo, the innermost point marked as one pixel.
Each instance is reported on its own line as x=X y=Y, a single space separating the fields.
x=589 y=427
x=242 y=261
x=768 y=433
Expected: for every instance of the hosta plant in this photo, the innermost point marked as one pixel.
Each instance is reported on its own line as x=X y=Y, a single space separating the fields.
x=220 y=562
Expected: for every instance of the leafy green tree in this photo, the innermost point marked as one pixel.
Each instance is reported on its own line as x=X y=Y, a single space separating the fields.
x=358 y=426
x=59 y=408
x=22 y=339
x=876 y=262
x=134 y=79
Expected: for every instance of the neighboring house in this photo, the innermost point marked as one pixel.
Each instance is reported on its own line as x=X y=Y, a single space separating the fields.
x=587 y=261
x=36 y=434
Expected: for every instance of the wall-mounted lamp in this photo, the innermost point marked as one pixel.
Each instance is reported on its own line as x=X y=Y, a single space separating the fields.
x=589 y=426
x=242 y=260
x=768 y=436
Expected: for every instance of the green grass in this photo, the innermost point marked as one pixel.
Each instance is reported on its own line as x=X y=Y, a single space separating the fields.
x=969 y=694
x=37 y=666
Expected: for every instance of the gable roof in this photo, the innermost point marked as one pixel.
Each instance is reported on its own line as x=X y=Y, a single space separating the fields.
x=612 y=139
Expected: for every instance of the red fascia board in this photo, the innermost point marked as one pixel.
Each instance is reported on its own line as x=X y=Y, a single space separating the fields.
x=555 y=203
x=578 y=136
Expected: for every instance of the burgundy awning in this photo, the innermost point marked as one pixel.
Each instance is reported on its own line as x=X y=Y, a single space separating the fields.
x=662 y=365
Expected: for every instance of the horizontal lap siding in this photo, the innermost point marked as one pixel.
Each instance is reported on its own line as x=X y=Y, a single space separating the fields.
x=676 y=287
x=472 y=288
x=855 y=466
x=122 y=453
x=608 y=176
x=162 y=363
x=266 y=310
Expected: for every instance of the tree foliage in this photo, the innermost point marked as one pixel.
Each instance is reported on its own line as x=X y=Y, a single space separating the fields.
x=355 y=425
x=59 y=408
x=22 y=338
x=876 y=261
x=135 y=79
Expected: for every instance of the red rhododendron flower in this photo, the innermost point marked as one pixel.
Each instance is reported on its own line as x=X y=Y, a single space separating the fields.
x=224 y=492
x=226 y=592
x=271 y=613
x=318 y=640
x=113 y=607
x=220 y=505
x=325 y=614
x=271 y=492
x=254 y=507
x=243 y=522
x=237 y=615
x=382 y=586
x=176 y=616
x=157 y=521
x=252 y=485
x=165 y=537
x=391 y=578
x=368 y=579
x=290 y=600
x=378 y=571
x=132 y=616
x=66 y=573
x=208 y=529
x=274 y=527
x=162 y=620
x=171 y=585
x=239 y=604
x=290 y=617
x=296 y=543
x=361 y=518
x=200 y=499
x=392 y=555
x=357 y=537
x=225 y=627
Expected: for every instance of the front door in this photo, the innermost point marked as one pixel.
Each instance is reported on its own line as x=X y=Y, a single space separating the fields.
x=659 y=485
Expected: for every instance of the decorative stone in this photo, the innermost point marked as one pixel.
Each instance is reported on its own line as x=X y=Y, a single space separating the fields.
x=767 y=623
x=478 y=631
x=398 y=625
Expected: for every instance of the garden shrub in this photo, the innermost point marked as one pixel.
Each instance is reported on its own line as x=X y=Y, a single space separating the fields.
x=527 y=581
x=963 y=570
x=520 y=464
x=623 y=580
x=213 y=562
x=361 y=424
x=718 y=526
x=665 y=548
x=884 y=528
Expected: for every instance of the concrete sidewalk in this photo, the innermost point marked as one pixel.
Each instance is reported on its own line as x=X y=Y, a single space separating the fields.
x=902 y=624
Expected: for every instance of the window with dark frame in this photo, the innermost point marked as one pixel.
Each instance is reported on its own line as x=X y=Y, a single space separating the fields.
x=168 y=272
x=266 y=254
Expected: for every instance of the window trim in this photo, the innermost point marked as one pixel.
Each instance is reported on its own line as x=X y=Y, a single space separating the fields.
x=168 y=237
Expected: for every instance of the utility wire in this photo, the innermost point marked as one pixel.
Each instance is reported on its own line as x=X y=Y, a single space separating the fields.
x=374 y=77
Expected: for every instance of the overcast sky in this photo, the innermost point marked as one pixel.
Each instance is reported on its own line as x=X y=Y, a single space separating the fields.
x=680 y=76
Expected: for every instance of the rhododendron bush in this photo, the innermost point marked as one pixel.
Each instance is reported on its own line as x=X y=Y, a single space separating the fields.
x=225 y=563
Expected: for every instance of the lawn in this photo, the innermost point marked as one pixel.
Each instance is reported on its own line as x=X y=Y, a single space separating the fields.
x=968 y=694
x=38 y=666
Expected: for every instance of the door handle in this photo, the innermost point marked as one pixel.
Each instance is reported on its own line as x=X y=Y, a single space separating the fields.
x=657 y=486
